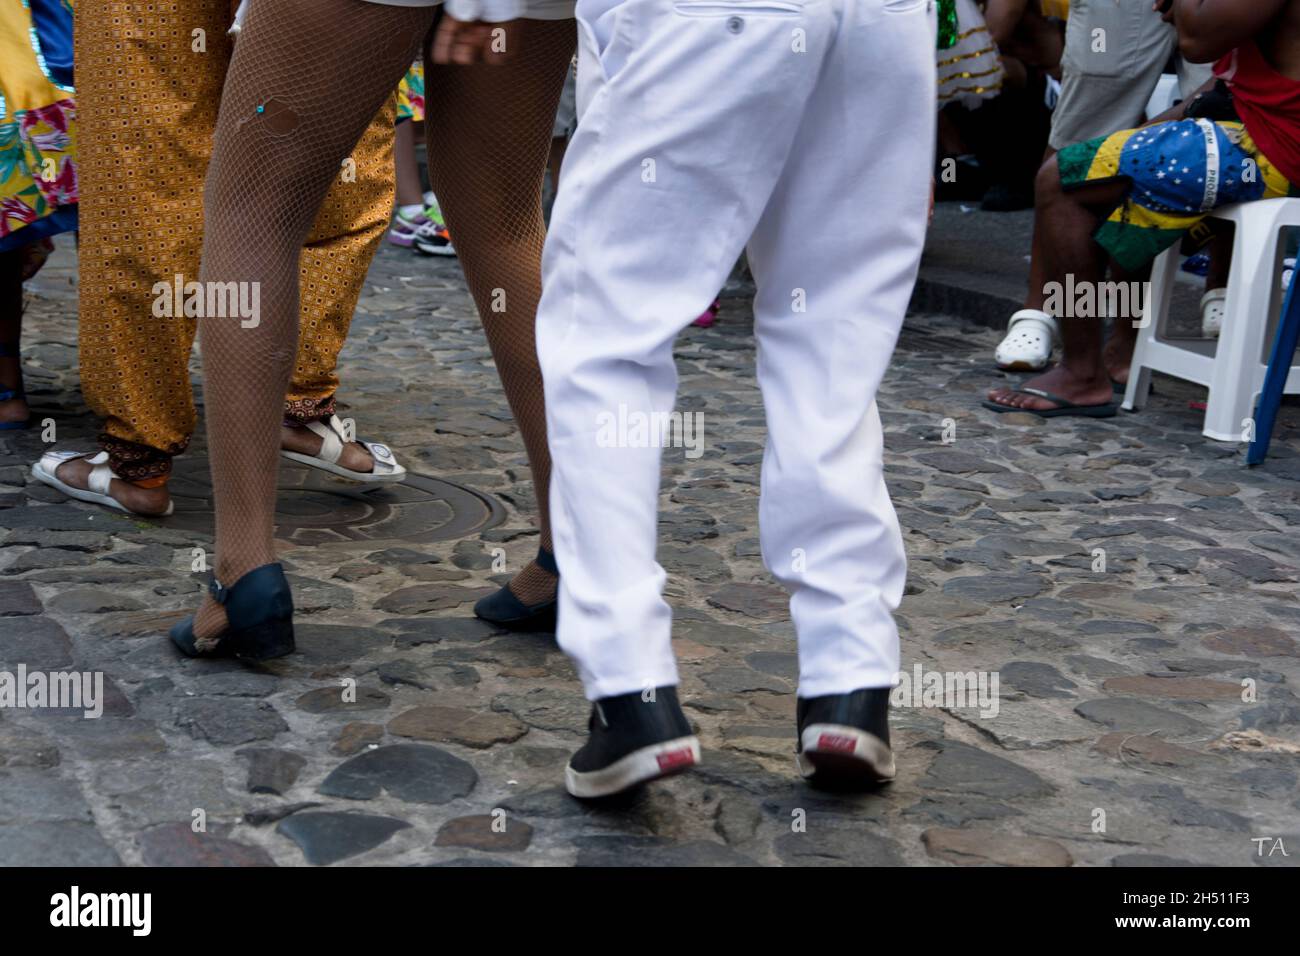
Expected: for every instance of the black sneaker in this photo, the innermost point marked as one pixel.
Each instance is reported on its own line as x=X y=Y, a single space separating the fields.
x=432 y=239
x=633 y=740
x=844 y=738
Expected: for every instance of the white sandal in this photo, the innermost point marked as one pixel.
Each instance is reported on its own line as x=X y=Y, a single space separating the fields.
x=1213 y=307
x=1027 y=346
x=100 y=480
x=333 y=438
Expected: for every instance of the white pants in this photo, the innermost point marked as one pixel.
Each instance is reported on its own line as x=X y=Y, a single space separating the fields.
x=804 y=128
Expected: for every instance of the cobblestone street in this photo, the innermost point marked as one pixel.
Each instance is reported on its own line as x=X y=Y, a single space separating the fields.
x=1131 y=585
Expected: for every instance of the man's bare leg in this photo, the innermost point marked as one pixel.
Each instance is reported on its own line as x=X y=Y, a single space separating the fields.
x=1037 y=270
x=1117 y=353
x=1063 y=228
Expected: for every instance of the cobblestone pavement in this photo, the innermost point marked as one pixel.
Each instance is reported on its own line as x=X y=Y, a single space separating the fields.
x=1146 y=710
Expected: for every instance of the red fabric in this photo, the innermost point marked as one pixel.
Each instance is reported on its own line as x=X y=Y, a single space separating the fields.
x=1268 y=103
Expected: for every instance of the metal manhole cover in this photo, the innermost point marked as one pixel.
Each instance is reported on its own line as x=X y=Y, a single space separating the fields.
x=313 y=509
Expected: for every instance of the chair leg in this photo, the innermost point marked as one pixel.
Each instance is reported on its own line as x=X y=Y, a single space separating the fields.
x=1155 y=316
x=1279 y=369
x=1237 y=367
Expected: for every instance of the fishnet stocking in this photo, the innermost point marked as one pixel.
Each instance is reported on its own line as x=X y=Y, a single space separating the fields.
x=306 y=79
x=489 y=130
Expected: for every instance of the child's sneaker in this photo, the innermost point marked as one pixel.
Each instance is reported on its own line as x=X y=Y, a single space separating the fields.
x=405 y=223
x=432 y=239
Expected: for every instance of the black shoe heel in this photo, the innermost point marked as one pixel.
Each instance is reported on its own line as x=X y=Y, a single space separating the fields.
x=259 y=618
x=264 y=641
x=506 y=610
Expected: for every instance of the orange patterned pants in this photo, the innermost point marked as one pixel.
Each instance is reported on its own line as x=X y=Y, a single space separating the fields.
x=149 y=80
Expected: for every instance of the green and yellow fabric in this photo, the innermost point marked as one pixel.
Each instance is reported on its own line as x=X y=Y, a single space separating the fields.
x=1177 y=172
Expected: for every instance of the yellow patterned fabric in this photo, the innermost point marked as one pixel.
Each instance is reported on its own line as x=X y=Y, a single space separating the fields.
x=150 y=78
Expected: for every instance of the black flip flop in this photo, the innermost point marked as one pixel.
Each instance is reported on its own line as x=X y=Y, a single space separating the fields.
x=1065 y=408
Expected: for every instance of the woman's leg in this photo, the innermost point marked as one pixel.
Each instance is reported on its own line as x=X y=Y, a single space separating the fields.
x=306 y=79
x=494 y=135
x=409 y=190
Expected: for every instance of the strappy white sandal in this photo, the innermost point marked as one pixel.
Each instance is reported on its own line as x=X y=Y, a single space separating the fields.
x=333 y=438
x=1027 y=346
x=101 y=478
x=1213 y=307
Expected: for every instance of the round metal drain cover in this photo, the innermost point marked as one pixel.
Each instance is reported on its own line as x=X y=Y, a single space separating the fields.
x=312 y=508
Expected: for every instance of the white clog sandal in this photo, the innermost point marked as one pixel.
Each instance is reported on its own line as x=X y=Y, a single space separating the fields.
x=1213 y=307
x=101 y=478
x=333 y=438
x=1027 y=346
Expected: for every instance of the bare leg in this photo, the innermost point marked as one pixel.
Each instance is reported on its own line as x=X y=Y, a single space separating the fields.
x=1064 y=225
x=409 y=192
x=1037 y=269
x=1220 y=250
x=1117 y=353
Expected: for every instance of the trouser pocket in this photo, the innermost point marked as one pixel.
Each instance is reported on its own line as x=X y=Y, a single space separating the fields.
x=1105 y=38
x=716 y=8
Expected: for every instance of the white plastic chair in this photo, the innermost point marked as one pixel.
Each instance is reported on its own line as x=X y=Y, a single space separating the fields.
x=1234 y=365
x=1163 y=96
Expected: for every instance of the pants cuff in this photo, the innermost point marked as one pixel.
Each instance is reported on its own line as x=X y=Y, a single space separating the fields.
x=138 y=463
x=304 y=411
x=844 y=683
x=600 y=688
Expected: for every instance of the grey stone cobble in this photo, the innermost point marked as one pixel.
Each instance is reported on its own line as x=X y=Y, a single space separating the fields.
x=1146 y=712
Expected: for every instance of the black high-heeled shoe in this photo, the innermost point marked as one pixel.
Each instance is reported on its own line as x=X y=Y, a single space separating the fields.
x=505 y=609
x=259 y=617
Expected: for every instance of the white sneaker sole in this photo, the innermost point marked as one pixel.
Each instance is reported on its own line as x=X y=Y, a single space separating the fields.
x=640 y=766
x=435 y=250
x=844 y=754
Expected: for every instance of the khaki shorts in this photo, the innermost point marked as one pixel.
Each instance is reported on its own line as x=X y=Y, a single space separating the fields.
x=1115 y=51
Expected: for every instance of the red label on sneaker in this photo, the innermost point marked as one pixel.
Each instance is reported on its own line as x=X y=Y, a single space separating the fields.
x=837 y=742
x=674 y=759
